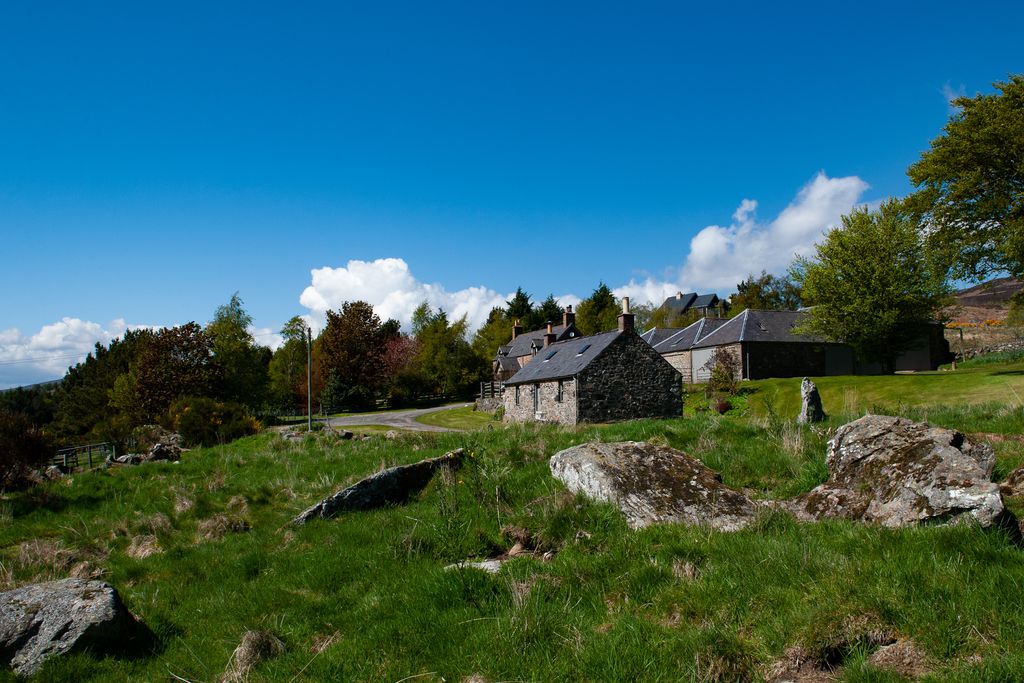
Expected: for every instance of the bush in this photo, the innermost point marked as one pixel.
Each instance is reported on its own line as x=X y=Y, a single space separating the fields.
x=205 y=422
x=725 y=372
x=22 y=447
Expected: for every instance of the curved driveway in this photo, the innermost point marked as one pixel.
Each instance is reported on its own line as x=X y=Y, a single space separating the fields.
x=399 y=419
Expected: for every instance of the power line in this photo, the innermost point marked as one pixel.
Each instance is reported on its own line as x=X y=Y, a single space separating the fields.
x=44 y=359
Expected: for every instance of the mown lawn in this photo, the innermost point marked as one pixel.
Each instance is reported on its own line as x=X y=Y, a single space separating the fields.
x=366 y=597
x=465 y=418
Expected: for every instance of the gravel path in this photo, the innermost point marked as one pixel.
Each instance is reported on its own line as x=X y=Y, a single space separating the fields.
x=399 y=419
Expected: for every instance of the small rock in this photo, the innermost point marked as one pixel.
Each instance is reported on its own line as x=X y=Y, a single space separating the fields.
x=49 y=619
x=345 y=435
x=811 y=409
x=163 y=452
x=652 y=484
x=492 y=566
x=53 y=473
x=391 y=434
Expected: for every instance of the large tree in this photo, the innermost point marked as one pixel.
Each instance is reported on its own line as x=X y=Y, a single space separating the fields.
x=445 y=358
x=971 y=186
x=288 y=368
x=871 y=285
x=599 y=312
x=241 y=363
x=175 y=362
x=352 y=347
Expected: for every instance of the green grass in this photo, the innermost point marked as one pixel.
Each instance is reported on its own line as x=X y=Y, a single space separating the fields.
x=465 y=418
x=667 y=603
x=981 y=383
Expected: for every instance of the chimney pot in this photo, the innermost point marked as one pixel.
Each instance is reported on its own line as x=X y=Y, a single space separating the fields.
x=625 y=304
x=517 y=329
x=550 y=337
x=626 y=319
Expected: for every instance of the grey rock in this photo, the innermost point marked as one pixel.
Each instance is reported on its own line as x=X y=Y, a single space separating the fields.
x=393 y=485
x=130 y=459
x=344 y=434
x=49 y=619
x=53 y=472
x=811 y=409
x=895 y=472
x=163 y=452
x=492 y=566
x=652 y=484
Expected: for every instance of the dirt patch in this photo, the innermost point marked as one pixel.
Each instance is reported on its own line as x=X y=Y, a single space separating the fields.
x=45 y=553
x=219 y=526
x=903 y=657
x=256 y=646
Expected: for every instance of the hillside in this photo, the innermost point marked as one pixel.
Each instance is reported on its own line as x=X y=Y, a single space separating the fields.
x=984 y=302
x=203 y=553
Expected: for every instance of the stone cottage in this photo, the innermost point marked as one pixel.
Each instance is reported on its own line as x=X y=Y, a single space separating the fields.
x=605 y=377
x=525 y=345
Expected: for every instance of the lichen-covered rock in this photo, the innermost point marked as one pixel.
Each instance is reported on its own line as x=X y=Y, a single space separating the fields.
x=895 y=472
x=652 y=484
x=393 y=485
x=48 y=619
x=811 y=409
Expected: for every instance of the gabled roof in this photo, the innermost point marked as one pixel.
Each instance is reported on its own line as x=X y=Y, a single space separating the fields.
x=565 y=358
x=656 y=335
x=759 y=326
x=680 y=303
x=523 y=344
x=685 y=338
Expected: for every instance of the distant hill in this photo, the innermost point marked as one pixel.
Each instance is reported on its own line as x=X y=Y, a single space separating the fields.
x=992 y=294
x=984 y=302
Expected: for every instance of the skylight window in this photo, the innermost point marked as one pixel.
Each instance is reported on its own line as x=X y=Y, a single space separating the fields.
x=583 y=350
x=550 y=356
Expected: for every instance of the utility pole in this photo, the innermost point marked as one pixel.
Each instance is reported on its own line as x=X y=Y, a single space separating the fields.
x=309 y=379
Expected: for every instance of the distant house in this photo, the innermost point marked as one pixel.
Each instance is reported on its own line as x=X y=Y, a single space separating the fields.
x=525 y=345
x=683 y=306
x=605 y=377
x=765 y=344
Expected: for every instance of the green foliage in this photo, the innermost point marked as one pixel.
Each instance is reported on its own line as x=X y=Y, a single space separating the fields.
x=206 y=422
x=239 y=363
x=520 y=308
x=871 y=285
x=726 y=371
x=35 y=402
x=23 y=446
x=352 y=353
x=549 y=311
x=599 y=312
x=445 y=359
x=766 y=292
x=971 y=185
x=175 y=362
x=287 y=368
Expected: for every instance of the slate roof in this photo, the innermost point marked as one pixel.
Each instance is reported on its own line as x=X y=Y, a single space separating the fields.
x=677 y=305
x=759 y=326
x=564 y=359
x=656 y=335
x=685 y=338
x=521 y=345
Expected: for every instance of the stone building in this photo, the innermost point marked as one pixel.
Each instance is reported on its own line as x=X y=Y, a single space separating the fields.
x=525 y=345
x=605 y=377
x=687 y=307
x=765 y=344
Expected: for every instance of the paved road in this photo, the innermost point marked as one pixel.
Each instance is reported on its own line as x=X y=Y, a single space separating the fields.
x=399 y=419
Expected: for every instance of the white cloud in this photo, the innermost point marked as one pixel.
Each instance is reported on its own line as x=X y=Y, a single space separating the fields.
x=950 y=93
x=720 y=256
x=48 y=353
x=388 y=285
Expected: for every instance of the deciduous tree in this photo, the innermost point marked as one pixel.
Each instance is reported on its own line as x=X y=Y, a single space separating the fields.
x=970 y=196
x=599 y=312
x=871 y=285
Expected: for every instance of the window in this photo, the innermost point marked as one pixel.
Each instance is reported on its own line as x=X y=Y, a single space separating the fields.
x=558 y=395
x=536 y=397
x=583 y=350
x=550 y=356
x=517 y=394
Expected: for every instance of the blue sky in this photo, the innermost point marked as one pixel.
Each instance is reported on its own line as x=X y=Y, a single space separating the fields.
x=154 y=159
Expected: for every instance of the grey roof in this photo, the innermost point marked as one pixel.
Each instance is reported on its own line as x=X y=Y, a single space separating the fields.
x=681 y=303
x=523 y=344
x=656 y=335
x=564 y=358
x=759 y=326
x=506 y=363
x=686 y=337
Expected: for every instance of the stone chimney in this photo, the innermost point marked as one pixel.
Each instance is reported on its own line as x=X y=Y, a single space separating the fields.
x=517 y=330
x=550 y=337
x=625 y=318
x=679 y=296
x=568 y=318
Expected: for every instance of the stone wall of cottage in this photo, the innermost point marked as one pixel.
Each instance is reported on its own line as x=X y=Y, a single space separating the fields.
x=549 y=407
x=683 y=362
x=629 y=380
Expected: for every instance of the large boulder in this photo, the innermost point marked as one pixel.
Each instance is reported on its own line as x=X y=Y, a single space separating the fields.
x=48 y=619
x=393 y=485
x=895 y=472
x=652 y=484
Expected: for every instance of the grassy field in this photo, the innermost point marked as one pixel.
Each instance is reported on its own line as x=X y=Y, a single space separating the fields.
x=366 y=597
x=460 y=418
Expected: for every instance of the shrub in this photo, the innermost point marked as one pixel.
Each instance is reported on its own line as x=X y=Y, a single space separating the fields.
x=22 y=447
x=205 y=422
x=725 y=372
